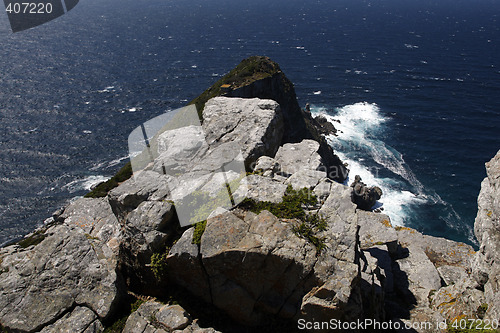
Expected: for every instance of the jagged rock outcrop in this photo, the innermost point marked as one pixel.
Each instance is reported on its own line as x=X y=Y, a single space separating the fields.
x=363 y=196
x=421 y=278
x=324 y=126
x=486 y=267
x=261 y=77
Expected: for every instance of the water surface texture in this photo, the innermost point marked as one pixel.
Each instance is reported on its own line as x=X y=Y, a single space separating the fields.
x=414 y=84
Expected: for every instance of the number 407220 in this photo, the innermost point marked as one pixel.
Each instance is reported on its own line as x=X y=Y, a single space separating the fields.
x=29 y=8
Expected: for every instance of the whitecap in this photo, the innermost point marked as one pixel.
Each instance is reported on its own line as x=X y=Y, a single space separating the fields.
x=117 y=161
x=356 y=143
x=85 y=183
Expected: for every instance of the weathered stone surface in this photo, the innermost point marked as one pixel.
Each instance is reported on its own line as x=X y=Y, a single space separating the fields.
x=267 y=166
x=375 y=229
x=294 y=157
x=292 y=281
x=178 y=147
x=338 y=296
x=486 y=266
x=40 y=283
x=336 y=292
x=455 y=301
x=256 y=125
x=439 y=251
x=372 y=286
x=261 y=189
x=342 y=231
x=305 y=178
x=183 y=260
x=231 y=248
x=173 y=317
x=195 y=328
x=140 y=320
x=452 y=274
x=421 y=274
x=147 y=185
x=151 y=215
x=322 y=190
x=96 y=219
x=154 y=317
x=80 y=320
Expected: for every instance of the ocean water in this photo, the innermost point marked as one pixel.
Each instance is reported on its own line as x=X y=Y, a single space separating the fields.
x=414 y=84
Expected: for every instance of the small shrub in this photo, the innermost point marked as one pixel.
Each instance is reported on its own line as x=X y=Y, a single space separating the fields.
x=481 y=310
x=131 y=305
x=159 y=265
x=199 y=229
x=306 y=231
x=117 y=326
x=34 y=239
x=134 y=306
x=292 y=207
x=431 y=295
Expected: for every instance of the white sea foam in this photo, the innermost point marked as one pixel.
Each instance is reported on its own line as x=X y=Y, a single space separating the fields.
x=358 y=127
x=84 y=183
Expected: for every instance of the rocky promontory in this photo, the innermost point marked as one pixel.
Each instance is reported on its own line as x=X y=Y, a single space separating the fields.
x=293 y=246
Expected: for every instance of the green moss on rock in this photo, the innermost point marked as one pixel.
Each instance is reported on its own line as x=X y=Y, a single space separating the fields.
x=292 y=207
x=103 y=188
x=199 y=229
x=34 y=239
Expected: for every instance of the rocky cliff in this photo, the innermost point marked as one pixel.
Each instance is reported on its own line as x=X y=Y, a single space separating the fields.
x=295 y=248
x=486 y=268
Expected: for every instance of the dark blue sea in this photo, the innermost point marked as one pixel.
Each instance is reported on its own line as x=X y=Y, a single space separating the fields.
x=414 y=83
